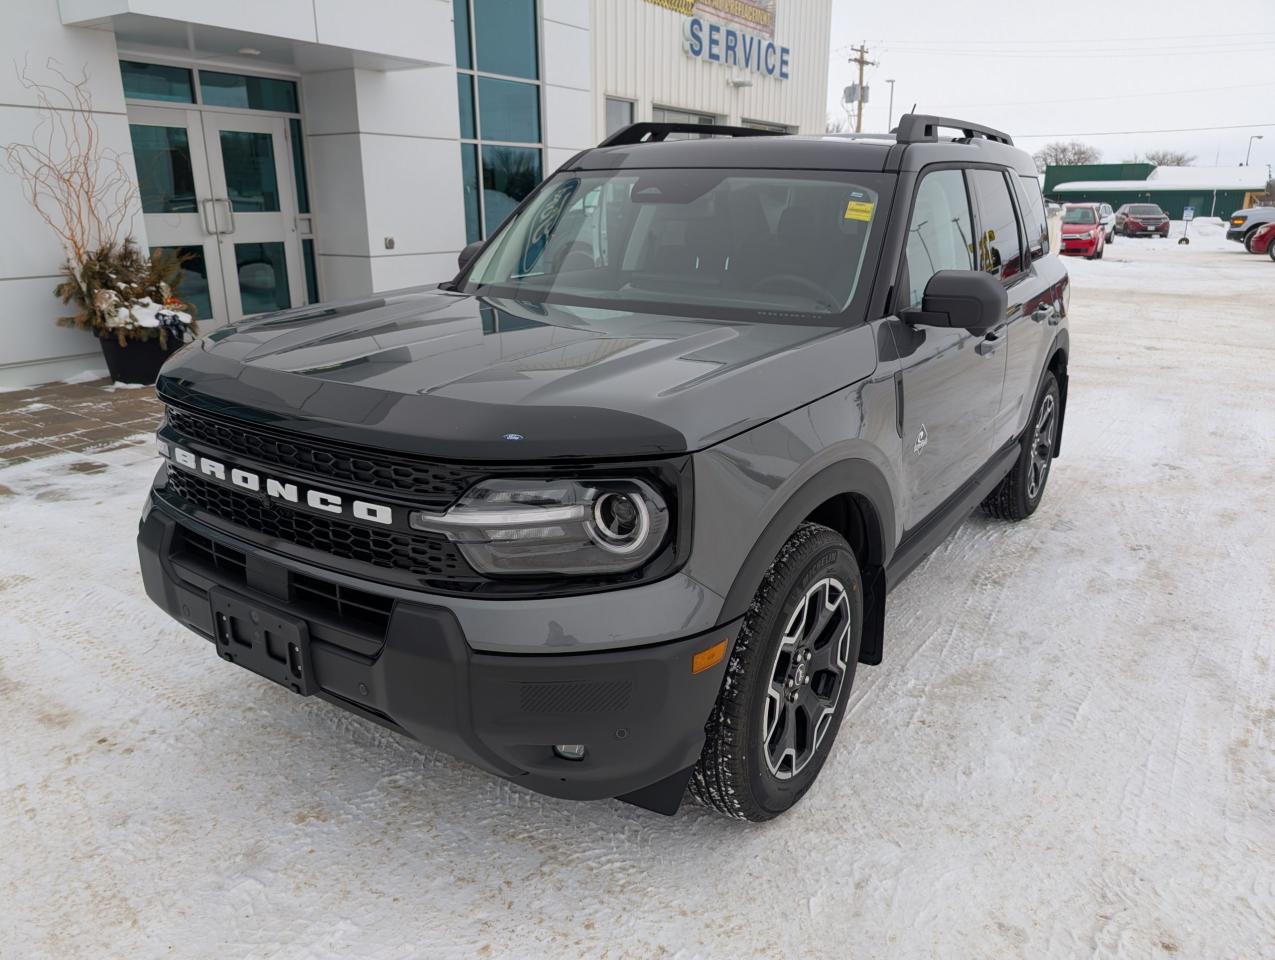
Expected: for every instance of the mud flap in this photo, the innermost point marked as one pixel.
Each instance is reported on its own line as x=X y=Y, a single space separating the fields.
x=663 y=796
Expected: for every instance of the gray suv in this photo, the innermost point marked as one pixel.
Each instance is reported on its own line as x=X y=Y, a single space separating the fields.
x=616 y=511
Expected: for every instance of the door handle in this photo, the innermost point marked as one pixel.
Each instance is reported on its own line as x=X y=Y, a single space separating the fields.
x=210 y=227
x=230 y=215
x=1044 y=312
x=989 y=345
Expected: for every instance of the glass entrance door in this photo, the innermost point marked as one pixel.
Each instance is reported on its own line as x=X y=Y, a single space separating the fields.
x=218 y=188
x=176 y=192
x=254 y=202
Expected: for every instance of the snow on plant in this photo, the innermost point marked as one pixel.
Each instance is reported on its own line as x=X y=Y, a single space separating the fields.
x=85 y=192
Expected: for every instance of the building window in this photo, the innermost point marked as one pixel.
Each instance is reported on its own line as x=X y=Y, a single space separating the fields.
x=155 y=81
x=671 y=115
x=499 y=94
x=619 y=114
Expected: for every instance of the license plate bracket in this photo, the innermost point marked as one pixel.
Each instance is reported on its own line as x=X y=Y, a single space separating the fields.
x=271 y=644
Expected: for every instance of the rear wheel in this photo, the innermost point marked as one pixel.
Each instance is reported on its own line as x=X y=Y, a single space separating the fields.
x=787 y=682
x=1018 y=495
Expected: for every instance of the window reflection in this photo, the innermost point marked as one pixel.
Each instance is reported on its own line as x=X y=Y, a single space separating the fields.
x=164 y=176
x=509 y=176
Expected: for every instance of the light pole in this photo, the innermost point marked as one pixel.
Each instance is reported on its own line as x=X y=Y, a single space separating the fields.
x=1249 y=153
x=889 y=124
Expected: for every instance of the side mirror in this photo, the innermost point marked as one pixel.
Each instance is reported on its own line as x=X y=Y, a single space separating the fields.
x=468 y=254
x=969 y=299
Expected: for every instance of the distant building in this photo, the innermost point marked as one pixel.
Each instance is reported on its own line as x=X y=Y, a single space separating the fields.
x=1211 y=191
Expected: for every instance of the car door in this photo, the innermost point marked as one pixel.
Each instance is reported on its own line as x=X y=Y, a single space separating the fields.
x=1004 y=252
x=950 y=380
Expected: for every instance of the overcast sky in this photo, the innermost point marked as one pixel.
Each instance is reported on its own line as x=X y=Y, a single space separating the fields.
x=1072 y=69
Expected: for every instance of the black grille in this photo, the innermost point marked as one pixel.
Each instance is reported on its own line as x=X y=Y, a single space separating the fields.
x=430 y=484
x=213 y=555
x=351 y=606
x=420 y=554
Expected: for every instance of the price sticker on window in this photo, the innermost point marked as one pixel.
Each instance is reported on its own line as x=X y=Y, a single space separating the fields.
x=859 y=210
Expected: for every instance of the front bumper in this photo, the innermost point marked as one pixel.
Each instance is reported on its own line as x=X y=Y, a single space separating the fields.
x=1074 y=246
x=640 y=712
x=1237 y=233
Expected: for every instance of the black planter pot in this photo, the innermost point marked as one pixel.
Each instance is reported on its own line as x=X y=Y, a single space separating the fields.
x=139 y=362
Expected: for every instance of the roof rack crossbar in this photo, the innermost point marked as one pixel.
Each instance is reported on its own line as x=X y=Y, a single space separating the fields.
x=923 y=128
x=648 y=132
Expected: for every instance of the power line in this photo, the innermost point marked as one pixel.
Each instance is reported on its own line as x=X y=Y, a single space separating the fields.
x=1117 y=96
x=1192 y=51
x=1073 y=43
x=1123 y=133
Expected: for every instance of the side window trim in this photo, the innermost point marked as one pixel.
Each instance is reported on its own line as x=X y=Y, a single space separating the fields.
x=978 y=206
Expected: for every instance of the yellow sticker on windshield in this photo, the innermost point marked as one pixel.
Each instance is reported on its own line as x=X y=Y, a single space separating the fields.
x=859 y=210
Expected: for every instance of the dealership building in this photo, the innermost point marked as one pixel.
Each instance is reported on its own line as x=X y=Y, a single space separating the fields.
x=303 y=150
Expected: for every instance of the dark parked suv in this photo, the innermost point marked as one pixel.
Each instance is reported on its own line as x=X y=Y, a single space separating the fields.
x=618 y=508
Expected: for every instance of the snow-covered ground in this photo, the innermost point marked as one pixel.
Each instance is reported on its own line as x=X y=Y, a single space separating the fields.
x=1068 y=752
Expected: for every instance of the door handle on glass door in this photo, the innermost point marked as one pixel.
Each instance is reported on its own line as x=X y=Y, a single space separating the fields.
x=210 y=227
x=230 y=215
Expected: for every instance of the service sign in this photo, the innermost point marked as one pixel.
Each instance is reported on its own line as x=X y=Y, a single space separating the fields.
x=735 y=47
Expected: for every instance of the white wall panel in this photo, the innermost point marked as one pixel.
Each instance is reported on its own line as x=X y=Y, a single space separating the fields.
x=417 y=29
x=395 y=273
x=637 y=55
x=573 y=12
x=569 y=118
x=412 y=193
x=414 y=103
x=336 y=194
x=28 y=328
x=567 y=56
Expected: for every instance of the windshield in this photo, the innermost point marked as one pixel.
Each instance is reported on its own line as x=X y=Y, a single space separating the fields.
x=1080 y=215
x=717 y=243
x=1146 y=210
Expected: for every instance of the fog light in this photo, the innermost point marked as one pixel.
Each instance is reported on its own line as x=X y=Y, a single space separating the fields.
x=569 y=751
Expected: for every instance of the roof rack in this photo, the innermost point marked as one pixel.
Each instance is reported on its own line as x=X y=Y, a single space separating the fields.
x=648 y=132
x=923 y=128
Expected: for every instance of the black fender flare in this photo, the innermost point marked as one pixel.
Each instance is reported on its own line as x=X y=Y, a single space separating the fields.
x=859 y=477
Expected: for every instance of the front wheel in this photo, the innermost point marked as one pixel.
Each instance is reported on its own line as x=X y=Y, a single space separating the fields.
x=787 y=682
x=1249 y=239
x=1018 y=495
x=1111 y=237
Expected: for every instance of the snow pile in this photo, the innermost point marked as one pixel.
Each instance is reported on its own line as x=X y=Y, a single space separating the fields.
x=1069 y=750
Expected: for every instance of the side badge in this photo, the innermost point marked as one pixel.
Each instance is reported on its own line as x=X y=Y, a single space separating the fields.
x=922 y=438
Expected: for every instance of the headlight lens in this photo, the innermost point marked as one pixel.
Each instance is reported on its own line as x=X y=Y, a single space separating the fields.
x=566 y=527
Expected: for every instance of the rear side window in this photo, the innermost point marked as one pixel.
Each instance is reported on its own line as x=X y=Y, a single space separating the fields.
x=940 y=233
x=998 y=239
x=1032 y=204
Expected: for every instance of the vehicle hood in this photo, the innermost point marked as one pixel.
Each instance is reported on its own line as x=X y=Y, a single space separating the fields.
x=447 y=375
x=1078 y=227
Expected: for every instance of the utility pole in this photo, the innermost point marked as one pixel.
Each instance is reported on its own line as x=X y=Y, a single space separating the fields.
x=861 y=58
x=889 y=122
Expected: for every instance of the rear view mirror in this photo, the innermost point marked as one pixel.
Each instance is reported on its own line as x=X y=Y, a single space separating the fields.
x=468 y=254
x=968 y=299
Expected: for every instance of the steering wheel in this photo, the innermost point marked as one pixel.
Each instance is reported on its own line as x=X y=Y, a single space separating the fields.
x=805 y=285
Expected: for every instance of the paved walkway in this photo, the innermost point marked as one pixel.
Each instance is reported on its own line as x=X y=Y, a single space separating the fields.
x=85 y=418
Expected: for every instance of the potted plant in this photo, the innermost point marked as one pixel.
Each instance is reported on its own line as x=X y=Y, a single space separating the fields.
x=85 y=191
x=129 y=301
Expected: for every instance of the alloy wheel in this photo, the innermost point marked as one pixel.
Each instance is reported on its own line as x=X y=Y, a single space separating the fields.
x=1042 y=449
x=807 y=678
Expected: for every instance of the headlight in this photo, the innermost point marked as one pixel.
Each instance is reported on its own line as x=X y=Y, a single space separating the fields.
x=567 y=527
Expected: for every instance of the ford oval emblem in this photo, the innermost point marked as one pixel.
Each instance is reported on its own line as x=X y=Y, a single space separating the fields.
x=512 y=436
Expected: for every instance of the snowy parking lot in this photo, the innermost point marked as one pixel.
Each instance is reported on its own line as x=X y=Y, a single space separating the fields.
x=1069 y=750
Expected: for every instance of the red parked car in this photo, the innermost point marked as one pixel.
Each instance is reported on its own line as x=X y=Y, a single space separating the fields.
x=1263 y=240
x=1142 y=219
x=1082 y=231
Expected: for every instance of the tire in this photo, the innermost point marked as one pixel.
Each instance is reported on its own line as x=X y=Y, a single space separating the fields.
x=1270 y=249
x=1248 y=240
x=1111 y=237
x=1101 y=251
x=1018 y=495
x=742 y=773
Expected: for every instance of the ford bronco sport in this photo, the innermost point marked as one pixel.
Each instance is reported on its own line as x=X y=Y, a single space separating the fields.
x=616 y=511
